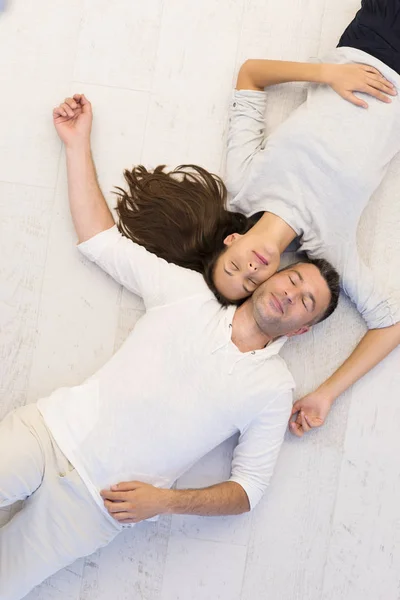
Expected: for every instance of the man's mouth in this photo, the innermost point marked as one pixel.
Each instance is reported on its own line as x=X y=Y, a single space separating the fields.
x=261 y=258
x=278 y=306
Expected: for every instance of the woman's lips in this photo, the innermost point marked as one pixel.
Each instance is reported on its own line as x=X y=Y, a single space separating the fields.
x=261 y=258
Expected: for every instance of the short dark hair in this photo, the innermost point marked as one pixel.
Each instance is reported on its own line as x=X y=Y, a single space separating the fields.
x=332 y=279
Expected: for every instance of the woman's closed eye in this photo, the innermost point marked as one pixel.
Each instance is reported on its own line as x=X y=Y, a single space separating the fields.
x=234 y=265
x=253 y=286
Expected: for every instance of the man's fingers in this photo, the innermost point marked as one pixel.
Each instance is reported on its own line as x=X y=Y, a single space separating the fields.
x=114 y=496
x=58 y=112
x=67 y=109
x=124 y=517
x=115 y=507
x=71 y=103
x=83 y=99
x=129 y=520
x=127 y=486
x=119 y=491
x=86 y=105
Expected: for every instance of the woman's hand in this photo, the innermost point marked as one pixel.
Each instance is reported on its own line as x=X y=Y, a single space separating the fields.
x=347 y=79
x=309 y=412
x=73 y=120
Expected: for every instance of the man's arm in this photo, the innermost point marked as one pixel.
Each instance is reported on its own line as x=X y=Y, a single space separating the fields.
x=257 y=74
x=89 y=210
x=134 y=501
x=253 y=463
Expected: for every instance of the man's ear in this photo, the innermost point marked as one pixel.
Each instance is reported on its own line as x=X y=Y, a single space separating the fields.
x=300 y=331
x=232 y=237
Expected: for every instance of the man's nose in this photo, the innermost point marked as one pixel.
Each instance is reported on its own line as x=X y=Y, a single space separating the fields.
x=291 y=296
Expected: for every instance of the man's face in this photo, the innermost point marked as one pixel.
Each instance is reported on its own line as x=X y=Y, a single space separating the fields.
x=289 y=301
x=248 y=261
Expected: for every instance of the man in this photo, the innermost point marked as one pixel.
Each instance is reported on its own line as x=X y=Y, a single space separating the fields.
x=189 y=376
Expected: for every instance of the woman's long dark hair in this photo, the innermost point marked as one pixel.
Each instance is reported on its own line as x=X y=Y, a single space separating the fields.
x=178 y=215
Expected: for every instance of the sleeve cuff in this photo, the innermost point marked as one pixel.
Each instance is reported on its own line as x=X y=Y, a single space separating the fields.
x=93 y=247
x=253 y=494
x=386 y=315
x=255 y=97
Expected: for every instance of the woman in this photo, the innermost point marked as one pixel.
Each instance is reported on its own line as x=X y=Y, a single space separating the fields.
x=314 y=176
x=182 y=217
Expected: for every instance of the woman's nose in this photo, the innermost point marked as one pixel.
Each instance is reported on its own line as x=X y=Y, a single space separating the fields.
x=252 y=267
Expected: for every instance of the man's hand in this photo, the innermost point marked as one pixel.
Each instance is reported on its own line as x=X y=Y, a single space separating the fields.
x=73 y=121
x=346 y=79
x=311 y=412
x=134 y=501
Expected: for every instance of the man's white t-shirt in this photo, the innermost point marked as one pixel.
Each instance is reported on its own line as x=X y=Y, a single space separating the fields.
x=317 y=171
x=176 y=388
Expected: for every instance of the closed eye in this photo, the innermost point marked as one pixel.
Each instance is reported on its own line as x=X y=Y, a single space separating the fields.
x=309 y=303
x=235 y=265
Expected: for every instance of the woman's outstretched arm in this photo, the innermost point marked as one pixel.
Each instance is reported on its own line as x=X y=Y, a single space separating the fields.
x=313 y=409
x=257 y=74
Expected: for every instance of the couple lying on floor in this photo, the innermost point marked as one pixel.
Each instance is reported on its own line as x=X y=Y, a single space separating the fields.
x=203 y=361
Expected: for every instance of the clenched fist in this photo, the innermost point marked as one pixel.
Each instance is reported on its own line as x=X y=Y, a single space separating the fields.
x=73 y=120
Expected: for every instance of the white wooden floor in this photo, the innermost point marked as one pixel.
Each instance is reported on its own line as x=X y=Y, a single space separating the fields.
x=159 y=74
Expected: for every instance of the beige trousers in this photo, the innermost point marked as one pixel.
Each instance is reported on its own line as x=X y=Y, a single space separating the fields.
x=59 y=521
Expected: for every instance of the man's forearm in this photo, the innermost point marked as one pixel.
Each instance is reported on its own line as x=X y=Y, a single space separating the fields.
x=374 y=347
x=228 y=498
x=257 y=74
x=89 y=210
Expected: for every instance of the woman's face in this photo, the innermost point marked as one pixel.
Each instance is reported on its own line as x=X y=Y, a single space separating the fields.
x=247 y=262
